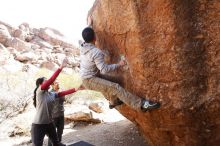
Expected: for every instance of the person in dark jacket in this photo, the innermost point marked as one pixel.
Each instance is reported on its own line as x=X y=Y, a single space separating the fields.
x=58 y=112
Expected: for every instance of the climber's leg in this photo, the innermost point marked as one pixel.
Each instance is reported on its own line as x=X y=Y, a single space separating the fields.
x=113 y=90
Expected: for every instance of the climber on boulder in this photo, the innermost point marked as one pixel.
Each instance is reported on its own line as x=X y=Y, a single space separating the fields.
x=92 y=64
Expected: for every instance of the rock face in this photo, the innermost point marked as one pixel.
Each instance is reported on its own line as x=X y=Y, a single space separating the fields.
x=173 y=54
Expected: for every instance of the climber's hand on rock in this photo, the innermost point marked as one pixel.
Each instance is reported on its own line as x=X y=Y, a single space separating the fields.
x=122 y=63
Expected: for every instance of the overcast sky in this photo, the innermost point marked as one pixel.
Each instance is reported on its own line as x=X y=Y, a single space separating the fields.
x=67 y=16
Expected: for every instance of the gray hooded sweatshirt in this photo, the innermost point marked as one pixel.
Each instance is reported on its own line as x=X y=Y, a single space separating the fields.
x=92 y=61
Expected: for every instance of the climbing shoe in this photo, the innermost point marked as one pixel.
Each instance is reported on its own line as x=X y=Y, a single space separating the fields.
x=116 y=102
x=149 y=105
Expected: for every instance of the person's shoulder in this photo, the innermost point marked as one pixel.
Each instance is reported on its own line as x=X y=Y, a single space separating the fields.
x=53 y=93
x=40 y=91
x=97 y=50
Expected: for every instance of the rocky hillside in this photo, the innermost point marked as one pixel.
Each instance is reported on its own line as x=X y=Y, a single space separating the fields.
x=24 y=48
x=27 y=53
x=173 y=54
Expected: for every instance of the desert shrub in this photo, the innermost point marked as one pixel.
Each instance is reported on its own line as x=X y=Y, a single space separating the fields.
x=16 y=93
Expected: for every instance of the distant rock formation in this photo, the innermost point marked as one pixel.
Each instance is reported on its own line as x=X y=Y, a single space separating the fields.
x=173 y=52
x=44 y=47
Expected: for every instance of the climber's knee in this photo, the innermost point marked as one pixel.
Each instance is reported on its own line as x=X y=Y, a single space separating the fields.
x=116 y=86
x=114 y=89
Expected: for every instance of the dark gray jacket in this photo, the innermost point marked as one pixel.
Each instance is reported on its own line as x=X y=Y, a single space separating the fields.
x=58 y=109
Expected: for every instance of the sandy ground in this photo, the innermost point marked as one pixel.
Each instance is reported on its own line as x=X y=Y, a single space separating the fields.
x=115 y=130
x=121 y=133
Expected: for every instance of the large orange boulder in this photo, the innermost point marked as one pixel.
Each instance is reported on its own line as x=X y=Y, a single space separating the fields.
x=173 y=52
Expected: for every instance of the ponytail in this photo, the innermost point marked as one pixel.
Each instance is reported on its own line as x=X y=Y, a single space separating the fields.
x=35 y=94
x=39 y=81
